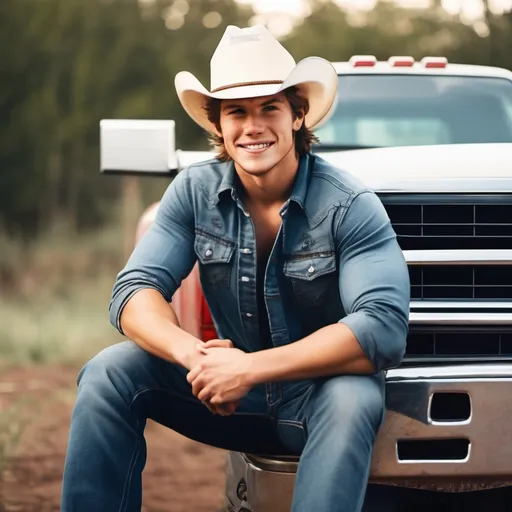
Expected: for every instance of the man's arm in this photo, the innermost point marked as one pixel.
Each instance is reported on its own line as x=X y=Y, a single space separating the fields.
x=150 y=321
x=143 y=290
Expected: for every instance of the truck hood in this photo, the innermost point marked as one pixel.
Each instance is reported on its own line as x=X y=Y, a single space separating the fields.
x=441 y=168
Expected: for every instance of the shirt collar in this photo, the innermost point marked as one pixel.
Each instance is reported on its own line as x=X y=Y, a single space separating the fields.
x=228 y=181
x=300 y=186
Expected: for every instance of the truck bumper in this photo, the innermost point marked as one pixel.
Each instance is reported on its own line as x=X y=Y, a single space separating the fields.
x=446 y=428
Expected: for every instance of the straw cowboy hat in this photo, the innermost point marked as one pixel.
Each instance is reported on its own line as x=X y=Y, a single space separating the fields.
x=250 y=62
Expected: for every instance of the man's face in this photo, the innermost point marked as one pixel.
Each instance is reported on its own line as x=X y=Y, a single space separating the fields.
x=258 y=132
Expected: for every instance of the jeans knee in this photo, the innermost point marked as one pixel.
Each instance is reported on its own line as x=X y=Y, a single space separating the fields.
x=350 y=402
x=113 y=369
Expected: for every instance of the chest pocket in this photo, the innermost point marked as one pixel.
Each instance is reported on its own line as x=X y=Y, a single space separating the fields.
x=214 y=254
x=313 y=277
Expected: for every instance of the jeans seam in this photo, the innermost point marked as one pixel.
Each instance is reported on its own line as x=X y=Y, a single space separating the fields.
x=145 y=390
x=291 y=422
x=279 y=394
x=128 y=481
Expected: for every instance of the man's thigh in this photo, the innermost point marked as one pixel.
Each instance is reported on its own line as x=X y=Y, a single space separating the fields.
x=341 y=405
x=157 y=389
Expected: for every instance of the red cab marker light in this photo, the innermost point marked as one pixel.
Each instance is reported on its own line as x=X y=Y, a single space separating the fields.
x=401 y=62
x=359 y=61
x=434 y=62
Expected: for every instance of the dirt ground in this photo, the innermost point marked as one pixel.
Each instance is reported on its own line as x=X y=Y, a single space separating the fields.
x=181 y=475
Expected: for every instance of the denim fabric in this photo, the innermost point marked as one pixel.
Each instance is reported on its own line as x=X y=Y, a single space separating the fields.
x=335 y=259
x=332 y=422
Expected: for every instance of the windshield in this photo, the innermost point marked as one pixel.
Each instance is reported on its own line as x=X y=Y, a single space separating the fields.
x=406 y=110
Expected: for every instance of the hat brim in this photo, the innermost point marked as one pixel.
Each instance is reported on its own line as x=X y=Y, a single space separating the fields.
x=315 y=78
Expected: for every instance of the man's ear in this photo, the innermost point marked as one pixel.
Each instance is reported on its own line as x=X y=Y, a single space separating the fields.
x=297 y=122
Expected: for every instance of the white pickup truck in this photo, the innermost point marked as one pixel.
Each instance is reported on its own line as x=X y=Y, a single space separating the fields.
x=434 y=140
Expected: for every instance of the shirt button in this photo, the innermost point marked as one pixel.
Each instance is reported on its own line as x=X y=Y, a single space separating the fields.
x=246 y=251
x=311 y=269
x=208 y=253
x=248 y=315
x=245 y=279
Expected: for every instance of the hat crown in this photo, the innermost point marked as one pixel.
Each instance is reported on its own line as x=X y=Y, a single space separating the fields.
x=248 y=55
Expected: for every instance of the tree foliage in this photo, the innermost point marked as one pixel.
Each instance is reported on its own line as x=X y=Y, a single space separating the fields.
x=66 y=64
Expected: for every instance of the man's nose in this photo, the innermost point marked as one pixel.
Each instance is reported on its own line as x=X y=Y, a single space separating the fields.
x=253 y=124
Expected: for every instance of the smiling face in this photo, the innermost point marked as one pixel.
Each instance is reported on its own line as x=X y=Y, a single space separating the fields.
x=258 y=133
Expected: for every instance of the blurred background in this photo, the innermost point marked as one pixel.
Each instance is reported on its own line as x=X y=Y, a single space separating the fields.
x=66 y=230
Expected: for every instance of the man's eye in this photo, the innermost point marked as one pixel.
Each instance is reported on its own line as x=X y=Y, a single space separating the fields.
x=269 y=108
x=237 y=111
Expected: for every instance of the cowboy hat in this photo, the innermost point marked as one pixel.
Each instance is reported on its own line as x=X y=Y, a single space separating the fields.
x=250 y=62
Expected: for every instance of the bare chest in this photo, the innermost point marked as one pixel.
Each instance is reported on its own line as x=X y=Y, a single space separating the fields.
x=266 y=226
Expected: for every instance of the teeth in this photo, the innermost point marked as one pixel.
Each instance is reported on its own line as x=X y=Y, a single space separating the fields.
x=257 y=146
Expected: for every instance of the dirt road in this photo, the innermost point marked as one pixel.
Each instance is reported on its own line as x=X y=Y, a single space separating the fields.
x=181 y=475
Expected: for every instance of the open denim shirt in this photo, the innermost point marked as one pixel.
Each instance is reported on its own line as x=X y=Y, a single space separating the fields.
x=335 y=259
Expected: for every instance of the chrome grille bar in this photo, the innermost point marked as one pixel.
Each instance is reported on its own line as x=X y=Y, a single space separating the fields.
x=468 y=305
x=460 y=318
x=459 y=257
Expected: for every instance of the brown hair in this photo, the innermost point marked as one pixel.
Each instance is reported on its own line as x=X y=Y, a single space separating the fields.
x=304 y=137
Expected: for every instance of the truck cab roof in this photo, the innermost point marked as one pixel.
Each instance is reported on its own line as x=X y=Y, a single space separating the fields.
x=440 y=66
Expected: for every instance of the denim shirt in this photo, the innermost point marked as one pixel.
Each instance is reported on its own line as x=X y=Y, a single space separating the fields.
x=335 y=259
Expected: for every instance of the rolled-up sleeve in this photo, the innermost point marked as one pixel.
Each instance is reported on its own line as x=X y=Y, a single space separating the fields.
x=164 y=256
x=373 y=281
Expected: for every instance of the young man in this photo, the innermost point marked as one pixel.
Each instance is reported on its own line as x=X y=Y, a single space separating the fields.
x=304 y=278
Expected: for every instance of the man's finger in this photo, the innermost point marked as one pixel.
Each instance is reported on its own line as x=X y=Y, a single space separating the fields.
x=226 y=409
x=216 y=399
x=211 y=408
x=192 y=374
x=217 y=344
x=223 y=410
x=205 y=394
x=198 y=386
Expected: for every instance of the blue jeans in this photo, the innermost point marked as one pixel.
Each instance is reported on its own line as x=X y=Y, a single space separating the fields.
x=331 y=422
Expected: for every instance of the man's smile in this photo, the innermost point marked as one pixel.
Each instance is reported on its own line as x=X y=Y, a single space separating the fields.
x=256 y=147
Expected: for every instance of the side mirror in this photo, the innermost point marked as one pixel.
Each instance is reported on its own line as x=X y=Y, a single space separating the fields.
x=143 y=147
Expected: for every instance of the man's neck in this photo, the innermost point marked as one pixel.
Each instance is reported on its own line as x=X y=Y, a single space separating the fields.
x=273 y=188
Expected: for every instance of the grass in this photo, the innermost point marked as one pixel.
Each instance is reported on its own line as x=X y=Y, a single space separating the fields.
x=12 y=422
x=54 y=296
x=57 y=329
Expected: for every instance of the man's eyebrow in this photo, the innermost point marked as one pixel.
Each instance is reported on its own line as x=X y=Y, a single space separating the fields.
x=231 y=105
x=270 y=101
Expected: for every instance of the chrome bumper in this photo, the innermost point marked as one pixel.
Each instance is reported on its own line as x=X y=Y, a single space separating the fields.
x=410 y=393
x=486 y=432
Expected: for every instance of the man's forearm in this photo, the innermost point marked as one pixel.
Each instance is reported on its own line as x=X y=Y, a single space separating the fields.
x=332 y=350
x=149 y=320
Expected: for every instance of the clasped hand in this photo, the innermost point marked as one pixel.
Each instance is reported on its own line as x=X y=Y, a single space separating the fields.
x=221 y=377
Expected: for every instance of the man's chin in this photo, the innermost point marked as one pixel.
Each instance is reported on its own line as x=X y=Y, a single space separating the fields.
x=253 y=168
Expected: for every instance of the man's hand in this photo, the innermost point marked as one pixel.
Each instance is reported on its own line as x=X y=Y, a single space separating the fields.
x=195 y=357
x=221 y=376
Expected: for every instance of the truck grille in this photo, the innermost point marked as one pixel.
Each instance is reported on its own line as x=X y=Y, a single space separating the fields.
x=481 y=222
x=458 y=343
x=461 y=282
x=464 y=229
x=430 y=222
